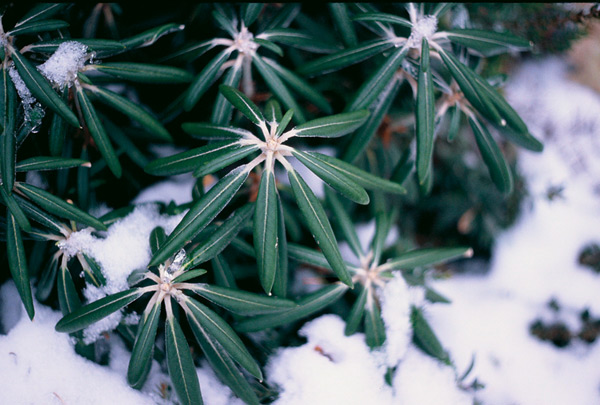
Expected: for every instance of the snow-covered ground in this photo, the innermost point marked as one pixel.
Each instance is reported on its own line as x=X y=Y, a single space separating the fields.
x=489 y=318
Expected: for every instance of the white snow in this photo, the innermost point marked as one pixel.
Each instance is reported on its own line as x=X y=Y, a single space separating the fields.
x=425 y=27
x=395 y=312
x=27 y=99
x=64 y=64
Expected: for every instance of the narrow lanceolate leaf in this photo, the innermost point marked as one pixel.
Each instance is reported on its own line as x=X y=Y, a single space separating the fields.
x=8 y=96
x=332 y=126
x=41 y=11
x=9 y=154
x=308 y=256
x=424 y=337
x=361 y=138
x=467 y=82
x=242 y=103
x=309 y=305
x=384 y=18
x=33 y=212
x=425 y=115
x=58 y=129
x=204 y=80
x=101 y=47
x=344 y=223
x=141 y=355
x=157 y=238
x=383 y=223
x=280 y=286
x=488 y=43
x=347 y=57
x=133 y=111
x=34 y=27
x=224 y=158
x=357 y=312
x=211 y=131
x=14 y=208
x=18 y=264
x=125 y=143
x=360 y=177
x=374 y=328
x=218 y=329
x=250 y=12
x=277 y=87
x=272 y=46
x=98 y=133
x=319 y=225
x=265 y=230
x=425 y=257
x=220 y=239
x=49 y=163
x=339 y=13
x=223 y=365
x=336 y=178
x=190 y=160
x=188 y=275
x=300 y=86
x=374 y=85
x=273 y=111
x=41 y=89
x=181 y=365
x=68 y=299
x=298 y=39
x=150 y=36
x=222 y=272
x=145 y=73
x=221 y=114
x=58 y=207
x=45 y=284
x=203 y=211
x=97 y=310
x=492 y=156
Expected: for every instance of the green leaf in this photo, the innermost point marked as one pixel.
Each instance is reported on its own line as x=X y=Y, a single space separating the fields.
x=492 y=156
x=201 y=213
x=384 y=18
x=281 y=275
x=374 y=328
x=250 y=12
x=300 y=86
x=488 y=43
x=357 y=312
x=344 y=223
x=376 y=83
x=33 y=212
x=218 y=329
x=298 y=39
x=49 y=163
x=265 y=230
x=332 y=126
x=425 y=117
x=383 y=223
x=319 y=226
x=339 y=13
x=58 y=129
x=68 y=299
x=220 y=239
x=95 y=311
x=190 y=52
x=334 y=177
x=34 y=27
x=101 y=47
x=210 y=131
x=223 y=365
x=9 y=103
x=285 y=121
x=242 y=103
x=157 y=238
x=181 y=365
x=45 y=284
x=188 y=275
x=133 y=111
x=309 y=256
x=347 y=57
x=222 y=273
x=360 y=177
x=424 y=337
x=277 y=87
x=309 y=305
x=150 y=36
x=98 y=133
x=269 y=45
x=425 y=257
x=143 y=348
x=454 y=125
x=145 y=73
x=222 y=109
x=273 y=111
x=124 y=143
x=93 y=270
x=224 y=158
x=467 y=82
x=58 y=207
x=441 y=9
x=17 y=263
x=15 y=210
x=379 y=108
x=41 y=89
x=41 y=11
x=9 y=153
x=205 y=79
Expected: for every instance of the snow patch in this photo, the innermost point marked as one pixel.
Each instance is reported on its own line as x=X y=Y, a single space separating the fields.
x=425 y=27
x=395 y=312
x=64 y=64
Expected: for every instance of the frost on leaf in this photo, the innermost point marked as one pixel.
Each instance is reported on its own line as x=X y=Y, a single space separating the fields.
x=33 y=111
x=425 y=27
x=62 y=67
x=177 y=262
